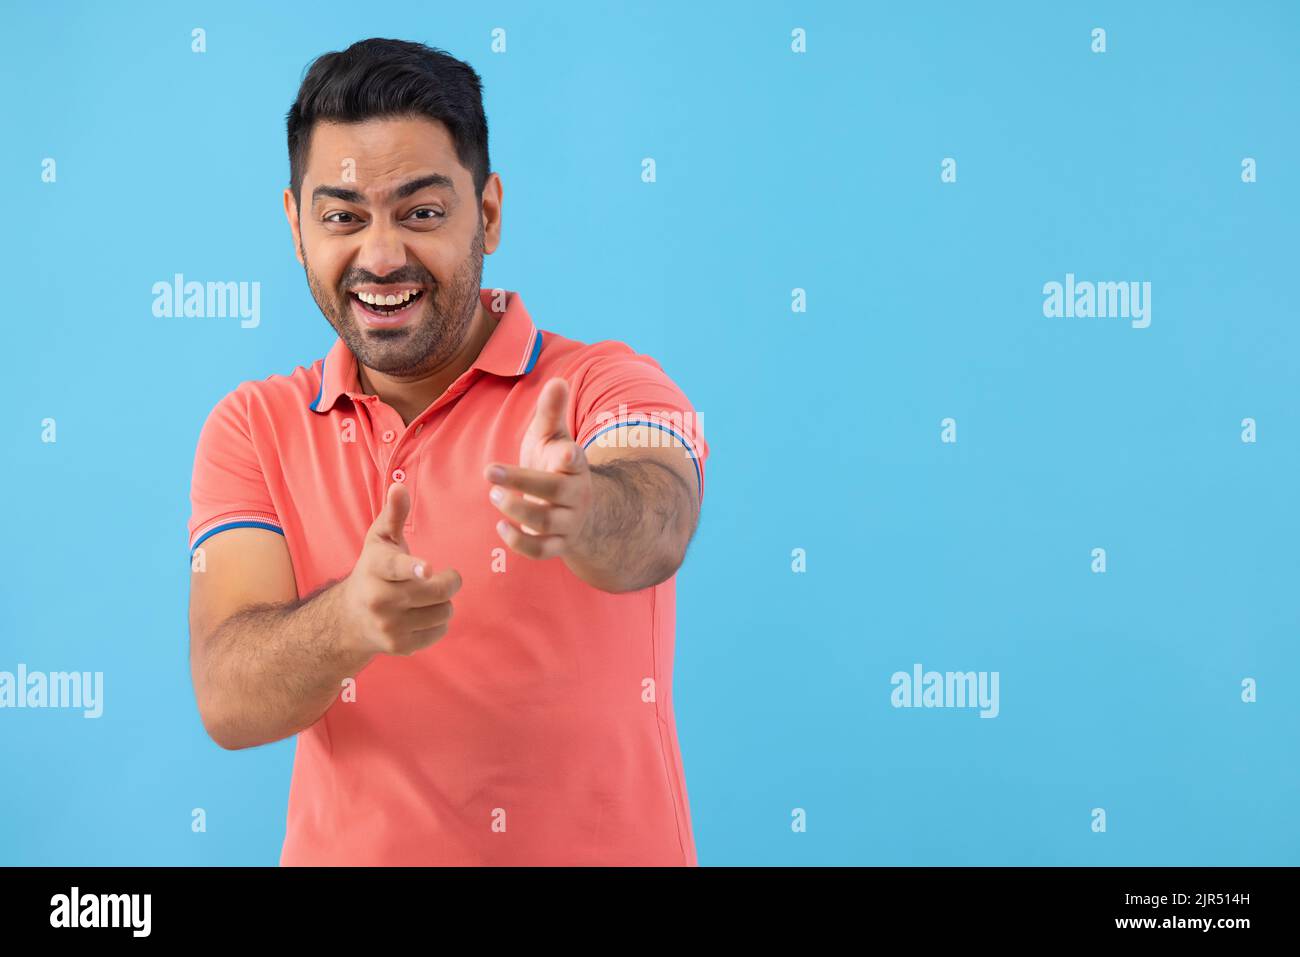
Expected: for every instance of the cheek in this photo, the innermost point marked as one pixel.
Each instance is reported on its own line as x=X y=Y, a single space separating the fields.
x=326 y=270
x=443 y=257
x=436 y=267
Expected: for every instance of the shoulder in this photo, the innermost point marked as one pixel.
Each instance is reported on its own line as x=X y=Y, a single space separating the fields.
x=578 y=361
x=261 y=408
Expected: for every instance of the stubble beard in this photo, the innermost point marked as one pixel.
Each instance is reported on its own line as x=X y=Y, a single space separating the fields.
x=429 y=340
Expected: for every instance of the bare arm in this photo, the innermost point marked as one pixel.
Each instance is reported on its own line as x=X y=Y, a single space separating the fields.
x=272 y=666
x=620 y=514
x=642 y=516
x=266 y=665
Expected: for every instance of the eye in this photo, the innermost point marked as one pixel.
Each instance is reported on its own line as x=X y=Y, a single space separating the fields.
x=433 y=211
x=329 y=217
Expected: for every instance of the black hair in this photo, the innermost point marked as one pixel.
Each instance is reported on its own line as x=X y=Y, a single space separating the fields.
x=390 y=78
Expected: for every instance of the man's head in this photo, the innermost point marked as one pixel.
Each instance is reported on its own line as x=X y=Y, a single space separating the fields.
x=391 y=194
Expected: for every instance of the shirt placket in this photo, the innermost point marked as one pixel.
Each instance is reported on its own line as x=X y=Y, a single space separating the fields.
x=394 y=454
x=396 y=447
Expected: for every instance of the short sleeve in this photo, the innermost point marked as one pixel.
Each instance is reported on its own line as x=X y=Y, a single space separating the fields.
x=617 y=387
x=228 y=489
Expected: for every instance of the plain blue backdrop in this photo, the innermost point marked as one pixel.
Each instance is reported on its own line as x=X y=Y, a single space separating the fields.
x=775 y=171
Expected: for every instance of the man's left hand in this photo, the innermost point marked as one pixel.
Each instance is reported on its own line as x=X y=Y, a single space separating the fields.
x=548 y=495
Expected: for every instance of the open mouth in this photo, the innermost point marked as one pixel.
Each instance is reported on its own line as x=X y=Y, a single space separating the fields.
x=387 y=308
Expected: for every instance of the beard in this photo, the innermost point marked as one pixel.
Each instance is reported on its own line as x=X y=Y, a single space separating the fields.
x=430 y=339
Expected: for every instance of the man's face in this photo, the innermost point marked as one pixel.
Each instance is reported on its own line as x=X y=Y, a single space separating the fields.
x=388 y=211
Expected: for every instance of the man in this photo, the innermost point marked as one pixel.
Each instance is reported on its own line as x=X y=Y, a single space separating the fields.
x=444 y=453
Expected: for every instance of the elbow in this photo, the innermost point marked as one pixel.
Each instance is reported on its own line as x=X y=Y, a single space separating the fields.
x=218 y=728
x=215 y=724
x=226 y=742
x=671 y=561
x=218 y=732
x=655 y=573
x=233 y=730
x=227 y=739
x=665 y=569
x=216 y=717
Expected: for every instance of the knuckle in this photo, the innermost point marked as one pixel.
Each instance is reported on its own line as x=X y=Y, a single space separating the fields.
x=428 y=636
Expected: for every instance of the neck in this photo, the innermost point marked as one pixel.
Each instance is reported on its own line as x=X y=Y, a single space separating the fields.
x=409 y=396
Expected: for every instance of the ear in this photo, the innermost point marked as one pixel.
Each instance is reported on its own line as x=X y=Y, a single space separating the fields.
x=491 y=213
x=295 y=227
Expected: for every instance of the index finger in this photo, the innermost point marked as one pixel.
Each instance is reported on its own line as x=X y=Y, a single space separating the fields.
x=401 y=568
x=430 y=587
x=394 y=564
x=548 y=486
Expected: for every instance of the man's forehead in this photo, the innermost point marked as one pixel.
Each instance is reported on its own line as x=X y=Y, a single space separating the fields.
x=379 y=155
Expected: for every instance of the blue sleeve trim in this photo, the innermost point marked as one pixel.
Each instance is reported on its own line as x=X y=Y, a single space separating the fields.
x=695 y=460
x=221 y=528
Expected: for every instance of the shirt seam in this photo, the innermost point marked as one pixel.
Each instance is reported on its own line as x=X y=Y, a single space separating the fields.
x=659 y=724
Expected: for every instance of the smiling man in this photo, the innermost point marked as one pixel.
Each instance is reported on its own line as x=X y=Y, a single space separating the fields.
x=446 y=453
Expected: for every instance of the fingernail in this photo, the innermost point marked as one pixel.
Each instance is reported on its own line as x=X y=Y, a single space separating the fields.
x=501 y=526
x=496 y=473
x=496 y=494
x=419 y=569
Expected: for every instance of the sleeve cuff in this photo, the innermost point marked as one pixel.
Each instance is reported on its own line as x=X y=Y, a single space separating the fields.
x=267 y=520
x=679 y=434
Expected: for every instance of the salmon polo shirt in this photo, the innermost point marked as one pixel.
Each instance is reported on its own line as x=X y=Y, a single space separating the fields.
x=539 y=730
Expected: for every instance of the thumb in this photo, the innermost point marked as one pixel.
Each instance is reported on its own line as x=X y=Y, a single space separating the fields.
x=550 y=421
x=388 y=523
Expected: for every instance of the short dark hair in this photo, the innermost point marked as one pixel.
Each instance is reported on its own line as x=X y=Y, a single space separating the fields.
x=390 y=78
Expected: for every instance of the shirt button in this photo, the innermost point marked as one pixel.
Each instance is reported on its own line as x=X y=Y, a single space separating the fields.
x=399 y=475
x=388 y=435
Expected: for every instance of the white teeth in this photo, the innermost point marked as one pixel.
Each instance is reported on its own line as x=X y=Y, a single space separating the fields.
x=371 y=299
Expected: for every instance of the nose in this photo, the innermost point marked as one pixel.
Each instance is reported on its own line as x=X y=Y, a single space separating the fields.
x=383 y=249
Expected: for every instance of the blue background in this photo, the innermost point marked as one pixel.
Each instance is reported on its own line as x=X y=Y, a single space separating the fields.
x=775 y=171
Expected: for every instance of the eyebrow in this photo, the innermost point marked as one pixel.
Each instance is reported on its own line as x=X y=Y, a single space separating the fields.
x=437 y=180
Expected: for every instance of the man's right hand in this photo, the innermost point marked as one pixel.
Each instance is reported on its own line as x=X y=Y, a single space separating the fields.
x=394 y=602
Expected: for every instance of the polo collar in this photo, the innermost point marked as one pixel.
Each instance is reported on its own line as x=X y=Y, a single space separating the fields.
x=511 y=350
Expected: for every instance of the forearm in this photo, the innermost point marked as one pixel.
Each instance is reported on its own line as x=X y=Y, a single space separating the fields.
x=638 y=526
x=272 y=670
